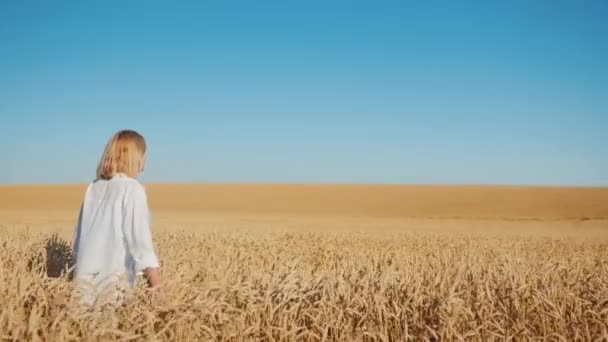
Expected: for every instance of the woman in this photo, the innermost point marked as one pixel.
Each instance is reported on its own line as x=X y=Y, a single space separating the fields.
x=112 y=240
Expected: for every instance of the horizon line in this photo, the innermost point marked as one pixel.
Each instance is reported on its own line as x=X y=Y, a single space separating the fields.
x=512 y=185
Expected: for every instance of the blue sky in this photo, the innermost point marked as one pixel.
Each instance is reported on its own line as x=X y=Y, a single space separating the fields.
x=450 y=92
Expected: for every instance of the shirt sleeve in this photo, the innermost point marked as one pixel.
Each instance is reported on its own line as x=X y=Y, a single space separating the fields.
x=76 y=236
x=78 y=229
x=136 y=225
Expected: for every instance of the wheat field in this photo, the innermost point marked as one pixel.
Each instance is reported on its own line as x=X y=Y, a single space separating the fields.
x=325 y=263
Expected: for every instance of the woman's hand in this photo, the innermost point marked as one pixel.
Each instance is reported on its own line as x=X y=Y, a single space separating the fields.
x=152 y=274
x=156 y=292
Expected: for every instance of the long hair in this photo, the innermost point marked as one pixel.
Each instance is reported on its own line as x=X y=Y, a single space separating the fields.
x=124 y=153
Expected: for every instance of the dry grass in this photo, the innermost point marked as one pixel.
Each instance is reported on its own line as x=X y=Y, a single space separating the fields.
x=292 y=277
x=329 y=286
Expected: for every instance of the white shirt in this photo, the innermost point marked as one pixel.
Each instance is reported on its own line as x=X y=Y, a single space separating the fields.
x=112 y=240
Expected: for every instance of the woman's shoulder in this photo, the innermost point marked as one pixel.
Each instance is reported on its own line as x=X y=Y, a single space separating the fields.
x=120 y=183
x=133 y=188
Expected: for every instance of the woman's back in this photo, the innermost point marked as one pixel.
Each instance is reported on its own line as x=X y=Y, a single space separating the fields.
x=112 y=240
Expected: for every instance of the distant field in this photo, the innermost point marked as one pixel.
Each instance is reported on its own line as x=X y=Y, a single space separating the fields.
x=328 y=262
x=387 y=201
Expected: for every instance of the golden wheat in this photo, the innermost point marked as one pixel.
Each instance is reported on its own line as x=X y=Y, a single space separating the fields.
x=298 y=286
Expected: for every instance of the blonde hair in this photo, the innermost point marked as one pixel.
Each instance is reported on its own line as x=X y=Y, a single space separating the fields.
x=124 y=153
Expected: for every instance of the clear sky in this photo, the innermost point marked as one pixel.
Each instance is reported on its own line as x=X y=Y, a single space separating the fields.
x=451 y=92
